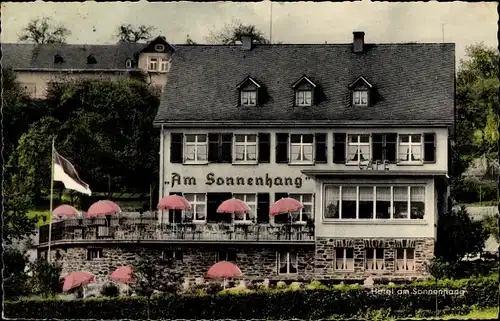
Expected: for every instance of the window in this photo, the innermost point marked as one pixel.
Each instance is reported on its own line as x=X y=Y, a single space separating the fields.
x=301 y=148
x=128 y=63
x=384 y=147
x=198 y=211
x=287 y=263
x=344 y=259
x=175 y=216
x=303 y=97
x=195 y=149
x=264 y=153
x=410 y=148
x=307 y=212
x=164 y=65
x=229 y=256
x=58 y=59
x=94 y=253
x=251 y=201
x=405 y=259
x=429 y=147
x=360 y=98
x=245 y=148
x=29 y=89
x=91 y=60
x=152 y=64
x=374 y=259
x=358 y=148
x=220 y=148
x=214 y=200
x=374 y=202
x=249 y=97
x=175 y=255
x=159 y=47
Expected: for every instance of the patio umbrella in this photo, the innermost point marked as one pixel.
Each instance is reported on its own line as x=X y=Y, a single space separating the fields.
x=233 y=206
x=285 y=206
x=123 y=274
x=224 y=270
x=64 y=211
x=77 y=279
x=103 y=208
x=174 y=202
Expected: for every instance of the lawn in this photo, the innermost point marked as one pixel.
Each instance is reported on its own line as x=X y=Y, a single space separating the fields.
x=475 y=314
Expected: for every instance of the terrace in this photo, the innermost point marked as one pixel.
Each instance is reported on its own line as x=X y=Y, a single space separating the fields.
x=149 y=230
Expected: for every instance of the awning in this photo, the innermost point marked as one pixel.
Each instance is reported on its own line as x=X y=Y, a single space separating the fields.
x=322 y=173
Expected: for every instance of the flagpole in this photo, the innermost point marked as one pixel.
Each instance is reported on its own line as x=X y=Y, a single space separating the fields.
x=51 y=195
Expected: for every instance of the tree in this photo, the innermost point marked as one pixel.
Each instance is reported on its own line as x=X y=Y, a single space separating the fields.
x=131 y=34
x=490 y=225
x=458 y=235
x=155 y=273
x=231 y=33
x=190 y=41
x=45 y=277
x=44 y=30
x=13 y=273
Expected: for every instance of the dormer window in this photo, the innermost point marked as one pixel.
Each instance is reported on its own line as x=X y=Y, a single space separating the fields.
x=128 y=63
x=304 y=91
x=91 y=60
x=159 y=47
x=58 y=59
x=249 y=92
x=361 y=91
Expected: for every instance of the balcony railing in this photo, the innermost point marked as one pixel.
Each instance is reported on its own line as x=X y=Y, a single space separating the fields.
x=148 y=229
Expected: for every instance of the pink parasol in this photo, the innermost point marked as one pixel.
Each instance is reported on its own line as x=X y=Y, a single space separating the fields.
x=103 y=208
x=233 y=206
x=174 y=202
x=285 y=206
x=123 y=274
x=77 y=279
x=65 y=211
x=224 y=270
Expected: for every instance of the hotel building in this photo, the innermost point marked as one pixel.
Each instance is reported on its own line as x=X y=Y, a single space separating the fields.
x=359 y=133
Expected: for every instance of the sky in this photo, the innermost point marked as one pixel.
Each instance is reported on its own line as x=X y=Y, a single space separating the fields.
x=303 y=22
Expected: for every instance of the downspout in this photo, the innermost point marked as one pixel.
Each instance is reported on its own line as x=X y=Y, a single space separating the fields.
x=162 y=161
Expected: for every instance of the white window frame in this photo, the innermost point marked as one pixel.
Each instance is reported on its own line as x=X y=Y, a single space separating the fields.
x=360 y=94
x=247 y=96
x=246 y=216
x=409 y=145
x=194 y=205
x=301 y=146
x=302 y=215
x=303 y=97
x=155 y=61
x=391 y=209
x=159 y=47
x=344 y=259
x=288 y=263
x=128 y=63
x=405 y=259
x=164 y=65
x=98 y=253
x=245 y=144
x=374 y=260
x=358 y=144
x=196 y=143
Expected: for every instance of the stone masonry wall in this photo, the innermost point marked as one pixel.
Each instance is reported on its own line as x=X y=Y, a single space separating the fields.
x=325 y=255
x=255 y=262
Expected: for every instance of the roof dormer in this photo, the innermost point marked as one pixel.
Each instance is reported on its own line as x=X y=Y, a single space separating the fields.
x=58 y=59
x=304 y=91
x=91 y=60
x=361 y=92
x=248 y=92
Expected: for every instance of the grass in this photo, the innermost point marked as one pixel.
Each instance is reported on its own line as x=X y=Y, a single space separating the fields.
x=475 y=314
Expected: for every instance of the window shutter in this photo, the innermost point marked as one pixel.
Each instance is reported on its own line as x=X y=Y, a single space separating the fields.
x=378 y=147
x=320 y=152
x=226 y=154
x=176 y=148
x=281 y=148
x=278 y=196
x=263 y=206
x=264 y=148
x=430 y=147
x=339 y=148
x=213 y=148
x=391 y=141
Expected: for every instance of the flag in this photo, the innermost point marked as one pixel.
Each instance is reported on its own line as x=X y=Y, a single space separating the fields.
x=65 y=172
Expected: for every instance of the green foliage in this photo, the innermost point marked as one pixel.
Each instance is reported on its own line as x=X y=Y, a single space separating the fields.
x=156 y=273
x=316 y=285
x=45 y=277
x=273 y=305
x=490 y=225
x=458 y=235
x=15 y=279
x=110 y=290
x=281 y=285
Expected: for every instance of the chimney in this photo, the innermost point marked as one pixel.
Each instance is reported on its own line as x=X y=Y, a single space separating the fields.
x=358 y=41
x=246 y=42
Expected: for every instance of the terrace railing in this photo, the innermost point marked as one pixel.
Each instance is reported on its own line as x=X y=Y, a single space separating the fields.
x=148 y=229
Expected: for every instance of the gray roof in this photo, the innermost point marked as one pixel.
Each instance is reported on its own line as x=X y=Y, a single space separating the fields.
x=415 y=83
x=41 y=56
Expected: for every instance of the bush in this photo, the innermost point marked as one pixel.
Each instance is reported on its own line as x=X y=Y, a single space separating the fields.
x=273 y=305
x=110 y=290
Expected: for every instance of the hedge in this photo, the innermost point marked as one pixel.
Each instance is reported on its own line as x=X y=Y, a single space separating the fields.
x=277 y=305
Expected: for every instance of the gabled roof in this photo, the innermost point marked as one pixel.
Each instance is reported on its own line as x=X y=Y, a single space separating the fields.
x=248 y=79
x=415 y=84
x=159 y=39
x=360 y=79
x=302 y=79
